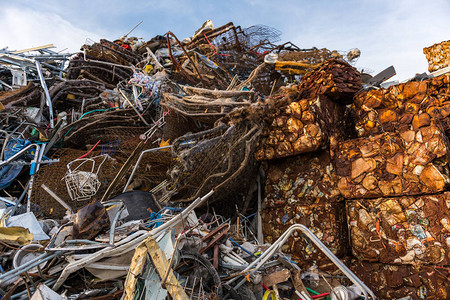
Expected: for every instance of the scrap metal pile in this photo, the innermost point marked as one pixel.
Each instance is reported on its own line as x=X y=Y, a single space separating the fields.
x=222 y=166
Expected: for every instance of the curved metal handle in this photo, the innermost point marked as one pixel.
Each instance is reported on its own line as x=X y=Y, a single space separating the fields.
x=260 y=261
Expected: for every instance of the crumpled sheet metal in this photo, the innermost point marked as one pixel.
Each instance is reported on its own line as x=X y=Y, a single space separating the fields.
x=326 y=221
x=395 y=282
x=410 y=162
x=402 y=106
x=90 y=221
x=404 y=230
x=304 y=179
x=15 y=236
x=303 y=126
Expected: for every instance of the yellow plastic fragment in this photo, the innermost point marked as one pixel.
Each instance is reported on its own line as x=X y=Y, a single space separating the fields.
x=15 y=236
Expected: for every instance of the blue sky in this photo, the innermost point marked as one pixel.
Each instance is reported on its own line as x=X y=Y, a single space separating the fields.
x=388 y=32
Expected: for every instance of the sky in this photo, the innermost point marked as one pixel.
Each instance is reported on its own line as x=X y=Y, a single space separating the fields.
x=388 y=32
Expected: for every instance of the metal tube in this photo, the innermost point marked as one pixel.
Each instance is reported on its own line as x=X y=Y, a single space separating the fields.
x=13 y=211
x=4 y=143
x=18 y=154
x=139 y=160
x=57 y=198
x=282 y=240
x=26 y=266
x=47 y=94
x=33 y=169
x=114 y=223
x=260 y=235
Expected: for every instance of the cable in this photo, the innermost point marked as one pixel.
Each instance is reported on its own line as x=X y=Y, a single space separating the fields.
x=89 y=152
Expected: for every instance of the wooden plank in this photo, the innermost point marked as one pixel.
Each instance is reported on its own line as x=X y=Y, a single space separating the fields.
x=277 y=277
x=161 y=264
x=34 y=49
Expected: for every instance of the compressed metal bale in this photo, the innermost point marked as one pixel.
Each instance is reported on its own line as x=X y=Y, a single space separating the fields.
x=303 y=179
x=334 y=78
x=326 y=220
x=438 y=55
x=438 y=104
x=303 y=126
x=403 y=106
x=410 y=162
x=404 y=230
x=387 y=110
x=395 y=282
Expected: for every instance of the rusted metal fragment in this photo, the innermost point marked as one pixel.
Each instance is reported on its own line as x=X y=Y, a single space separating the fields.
x=395 y=282
x=90 y=221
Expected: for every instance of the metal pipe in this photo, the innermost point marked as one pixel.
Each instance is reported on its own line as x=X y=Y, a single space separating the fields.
x=28 y=265
x=33 y=169
x=57 y=198
x=260 y=235
x=47 y=94
x=53 y=238
x=5 y=84
x=18 y=154
x=139 y=160
x=7 y=201
x=13 y=211
x=114 y=223
x=4 y=143
x=282 y=240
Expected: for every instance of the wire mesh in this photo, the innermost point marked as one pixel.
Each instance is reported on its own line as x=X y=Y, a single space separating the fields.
x=257 y=34
x=82 y=177
x=52 y=175
x=221 y=159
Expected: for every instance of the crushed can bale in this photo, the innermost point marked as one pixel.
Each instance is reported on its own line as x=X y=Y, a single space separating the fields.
x=403 y=281
x=403 y=106
x=303 y=179
x=388 y=110
x=410 y=162
x=404 y=230
x=326 y=220
x=302 y=126
x=334 y=78
x=438 y=55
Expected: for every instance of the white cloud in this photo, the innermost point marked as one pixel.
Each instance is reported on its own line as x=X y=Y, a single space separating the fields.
x=387 y=32
x=24 y=28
